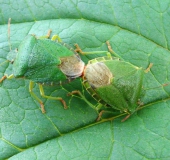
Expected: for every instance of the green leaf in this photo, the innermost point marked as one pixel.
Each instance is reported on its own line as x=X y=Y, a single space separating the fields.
x=138 y=31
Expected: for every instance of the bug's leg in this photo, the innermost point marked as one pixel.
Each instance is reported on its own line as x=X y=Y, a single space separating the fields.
x=113 y=117
x=149 y=68
x=111 y=50
x=100 y=115
x=124 y=119
x=53 y=37
x=35 y=97
x=9 y=41
x=78 y=49
x=50 y=97
x=56 y=37
x=46 y=36
x=3 y=78
x=6 y=77
x=83 y=97
x=48 y=33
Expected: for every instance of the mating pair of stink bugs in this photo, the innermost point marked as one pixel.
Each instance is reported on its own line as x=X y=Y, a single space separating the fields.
x=111 y=81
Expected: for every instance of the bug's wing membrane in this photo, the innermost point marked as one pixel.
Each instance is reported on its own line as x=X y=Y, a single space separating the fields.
x=130 y=87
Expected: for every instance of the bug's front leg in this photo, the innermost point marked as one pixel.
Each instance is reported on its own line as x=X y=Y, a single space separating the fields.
x=111 y=50
x=78 y=49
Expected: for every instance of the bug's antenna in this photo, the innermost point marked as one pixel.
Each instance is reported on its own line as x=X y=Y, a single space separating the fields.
x=9 y=22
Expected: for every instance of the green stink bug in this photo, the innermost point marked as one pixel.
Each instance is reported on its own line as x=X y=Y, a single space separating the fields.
x=40 y=60
x=114 y=82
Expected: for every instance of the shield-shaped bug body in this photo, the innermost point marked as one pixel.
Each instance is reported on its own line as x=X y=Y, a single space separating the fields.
x=114 y=82
x=41 y=61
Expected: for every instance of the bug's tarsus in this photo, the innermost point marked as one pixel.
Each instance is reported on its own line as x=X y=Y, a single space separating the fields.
x=149 y=68
x=100 y=115
x=74 y=92
x=124 y=119
x=109 y=47
x=47 y=36
x=78 y=49
x=166 y=84
x=6 y=77
x=3 y=78
x=111 y=50
x=49 y=33
x=140 y=103
x=64 y=103
x=42 y=107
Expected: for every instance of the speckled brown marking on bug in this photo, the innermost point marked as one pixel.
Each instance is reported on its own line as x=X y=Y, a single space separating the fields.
x=98 y=75
x=72 y=66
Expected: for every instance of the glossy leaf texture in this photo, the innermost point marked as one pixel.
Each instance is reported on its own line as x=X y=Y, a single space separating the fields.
x=138 y=32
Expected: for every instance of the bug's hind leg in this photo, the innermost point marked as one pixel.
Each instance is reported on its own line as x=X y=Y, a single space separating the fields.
x=50 y=97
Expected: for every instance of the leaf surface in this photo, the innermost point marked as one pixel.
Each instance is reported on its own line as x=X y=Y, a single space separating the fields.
x=138 y=32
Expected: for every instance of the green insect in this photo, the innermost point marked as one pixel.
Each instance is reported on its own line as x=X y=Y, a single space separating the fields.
x=113 y=82
x=41 y=61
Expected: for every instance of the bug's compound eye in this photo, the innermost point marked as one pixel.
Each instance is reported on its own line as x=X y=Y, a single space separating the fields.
x=72 y=66
x=98 y=75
